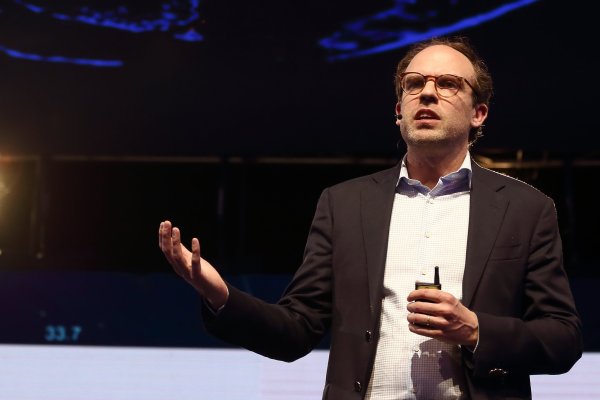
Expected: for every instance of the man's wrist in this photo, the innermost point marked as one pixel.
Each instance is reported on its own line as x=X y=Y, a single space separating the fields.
x=217 y=303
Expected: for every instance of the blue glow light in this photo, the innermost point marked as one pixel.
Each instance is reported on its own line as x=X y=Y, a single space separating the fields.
x=189 y=36
x=172 y=15
x=121 y=19
x=60 y=59
x=362 y=38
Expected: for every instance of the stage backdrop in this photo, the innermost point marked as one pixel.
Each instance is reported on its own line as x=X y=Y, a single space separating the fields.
x=229 y=117
x=169 y=77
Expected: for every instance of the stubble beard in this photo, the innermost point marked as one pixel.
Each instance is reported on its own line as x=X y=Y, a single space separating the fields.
x=426 y=138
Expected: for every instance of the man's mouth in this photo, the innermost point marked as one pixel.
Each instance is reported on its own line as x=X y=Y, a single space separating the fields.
x=426 y=115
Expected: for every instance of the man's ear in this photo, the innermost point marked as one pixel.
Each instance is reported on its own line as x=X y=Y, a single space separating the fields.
x=398 y=113
x=480 y=114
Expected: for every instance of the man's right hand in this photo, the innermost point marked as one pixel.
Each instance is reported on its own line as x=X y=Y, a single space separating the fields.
x=191 y=266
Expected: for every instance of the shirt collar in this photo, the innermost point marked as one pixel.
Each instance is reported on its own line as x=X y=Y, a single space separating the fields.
x=457 y=181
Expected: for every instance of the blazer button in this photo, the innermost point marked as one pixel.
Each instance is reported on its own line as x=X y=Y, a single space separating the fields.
x=497 y=372
x=357 y=386
x=368 y=336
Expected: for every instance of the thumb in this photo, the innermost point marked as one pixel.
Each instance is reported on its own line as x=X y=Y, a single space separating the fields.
x=195 y=272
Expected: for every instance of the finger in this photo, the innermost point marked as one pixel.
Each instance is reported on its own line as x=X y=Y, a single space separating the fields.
x=165 y=237
x=424 y=320
x=177 y=259
x=423 y=307
x=176 y=243
x=196 y=264
x=160 y=235
x=431 y=295
x=425 y=331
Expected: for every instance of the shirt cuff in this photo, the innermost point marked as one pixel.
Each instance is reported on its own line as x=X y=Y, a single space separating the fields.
x=211 y=308
x=469 y=348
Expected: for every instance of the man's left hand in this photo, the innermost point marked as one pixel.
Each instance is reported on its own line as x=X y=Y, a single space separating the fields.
x=442 y=316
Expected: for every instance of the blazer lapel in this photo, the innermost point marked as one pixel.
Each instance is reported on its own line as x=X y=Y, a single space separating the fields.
x=487 y=208
x=376 y=213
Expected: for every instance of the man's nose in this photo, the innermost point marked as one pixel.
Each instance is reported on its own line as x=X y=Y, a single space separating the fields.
x=429 y=88
x=429 y=92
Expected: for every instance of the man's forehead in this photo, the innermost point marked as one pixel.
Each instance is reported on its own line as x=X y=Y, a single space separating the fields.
x=441 y=59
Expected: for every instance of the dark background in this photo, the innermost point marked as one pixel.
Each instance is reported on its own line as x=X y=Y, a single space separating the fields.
x=259 y=83
x=233 y=138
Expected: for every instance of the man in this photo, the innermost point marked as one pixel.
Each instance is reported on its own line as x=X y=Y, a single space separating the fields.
x=505 y=309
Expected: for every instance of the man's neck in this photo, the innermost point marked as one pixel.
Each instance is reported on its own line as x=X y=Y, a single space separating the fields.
x=428 y=167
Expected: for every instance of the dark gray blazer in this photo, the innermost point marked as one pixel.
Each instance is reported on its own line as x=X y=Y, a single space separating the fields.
x=514 y=280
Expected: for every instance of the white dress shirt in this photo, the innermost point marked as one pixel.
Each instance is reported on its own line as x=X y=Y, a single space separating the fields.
x=428 y=228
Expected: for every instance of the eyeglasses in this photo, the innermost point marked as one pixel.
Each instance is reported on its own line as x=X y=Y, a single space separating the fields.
x=446 y=85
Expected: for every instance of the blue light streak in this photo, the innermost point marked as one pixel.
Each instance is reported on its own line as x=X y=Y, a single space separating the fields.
x=60 y=59
x=173 y=16
x=351 y=48
x=118 y=19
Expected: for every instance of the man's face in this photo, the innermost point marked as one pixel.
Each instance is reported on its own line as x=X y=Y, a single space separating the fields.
x=429 y=119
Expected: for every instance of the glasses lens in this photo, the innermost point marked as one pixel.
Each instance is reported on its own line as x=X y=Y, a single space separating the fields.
x=448 y=85
x=413 y=83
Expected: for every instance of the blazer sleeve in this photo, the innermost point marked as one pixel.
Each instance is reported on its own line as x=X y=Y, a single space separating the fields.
x=295 y=325
x=542 y=336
